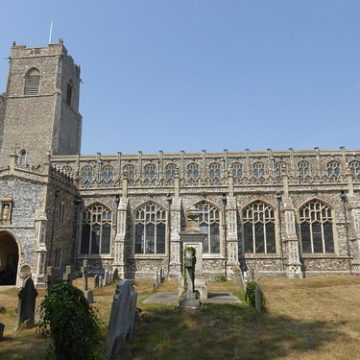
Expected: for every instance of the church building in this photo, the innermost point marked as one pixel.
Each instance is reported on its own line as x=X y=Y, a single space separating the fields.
x=283 y=213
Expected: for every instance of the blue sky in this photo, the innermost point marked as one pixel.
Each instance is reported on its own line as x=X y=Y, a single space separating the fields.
x=189 y=75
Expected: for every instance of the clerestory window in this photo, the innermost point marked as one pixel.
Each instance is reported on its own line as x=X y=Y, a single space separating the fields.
x=237 y=170
x=193 y=174
x=355 y=169
x=303 y=171
x=214 y=173
x=96 y=230
x=150 y=229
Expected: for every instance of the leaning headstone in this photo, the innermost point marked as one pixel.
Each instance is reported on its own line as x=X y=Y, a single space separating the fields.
x=96 y=281
x=27 y=297
x=101 y=281
x=2 y=329
x=67 y=276
x=122 y=318
x=116 y=275
x=258 y=299
x=87 y=293
x=49 y=276
x=106 y=278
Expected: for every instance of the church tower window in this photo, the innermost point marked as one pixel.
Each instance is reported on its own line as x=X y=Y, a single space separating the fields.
x=150 y=229
x=259 y=228
x=96 y=230
x=22 y=158
x=69 y=92
x=32 y=82
x=316 y=228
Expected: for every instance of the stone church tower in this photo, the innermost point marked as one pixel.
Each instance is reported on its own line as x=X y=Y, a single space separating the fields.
x=41 y=115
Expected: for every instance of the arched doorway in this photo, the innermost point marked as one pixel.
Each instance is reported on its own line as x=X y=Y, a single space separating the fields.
x=9 y=257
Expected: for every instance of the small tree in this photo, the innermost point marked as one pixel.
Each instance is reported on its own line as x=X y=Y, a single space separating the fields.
x=250 y=295
x=72 y=324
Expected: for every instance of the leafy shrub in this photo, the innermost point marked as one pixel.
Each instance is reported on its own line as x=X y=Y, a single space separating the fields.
x=250 y=295
x=219 y=278
x=73 y=325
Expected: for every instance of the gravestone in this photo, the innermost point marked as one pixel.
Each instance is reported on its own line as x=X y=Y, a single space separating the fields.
x=258 y=298
x=106 y=277
x=27 y=297
x=116 y=275
x=122 y=318
x=49 y=276
x=67 y=276
x=96 y=281
x=87 y=293
x=101 y=281
x=2 y=329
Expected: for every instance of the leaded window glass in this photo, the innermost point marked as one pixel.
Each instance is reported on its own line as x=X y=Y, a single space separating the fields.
x=86 y=175
x=355 y=169
x=259 y=228
x=149 y=174
x=214 y=173
x=193 y=174
x=303 y=171
x=96 y=230
x=316 y=228
x=209 y=221
x=130 y=173
x=150 y=229
x=107 y=173
x=333 y=170
x=170 y=171
x=237 y=171
x=32 y=82
x=259 y=172
x=280 y=169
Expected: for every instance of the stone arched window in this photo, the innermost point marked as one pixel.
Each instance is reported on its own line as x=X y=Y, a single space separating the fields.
x=86 y=175
x=316 y=228
x=354 y=167
x=129 y=170
x=303 y=171
x=149 y=174
x=209 y=221
x=280 y=169
x=22 y=158
x=258 y=221
x=259 y=171
x=214 y=173
x=192 y=174
x=237 y=171
x=333 y=169
x=69 y=90
x=150 y=229
x=107 y=173
x=96 y=230
x=32 y=82
x=170 y=170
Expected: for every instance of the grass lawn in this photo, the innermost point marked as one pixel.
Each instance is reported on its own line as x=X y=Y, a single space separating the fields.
x=316 y=318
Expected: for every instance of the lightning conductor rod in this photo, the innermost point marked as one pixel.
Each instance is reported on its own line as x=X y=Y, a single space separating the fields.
x=50 y=33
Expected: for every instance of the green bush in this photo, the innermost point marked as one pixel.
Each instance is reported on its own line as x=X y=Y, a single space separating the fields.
x=250 y=295
x=219 y=278
x=73 y=325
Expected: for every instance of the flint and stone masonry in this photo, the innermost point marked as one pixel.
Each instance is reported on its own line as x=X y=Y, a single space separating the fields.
x=272 y=213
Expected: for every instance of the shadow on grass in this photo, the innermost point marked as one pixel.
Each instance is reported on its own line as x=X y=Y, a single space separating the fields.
x=225 y=331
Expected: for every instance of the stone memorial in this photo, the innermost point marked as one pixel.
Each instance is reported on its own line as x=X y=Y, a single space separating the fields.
x=49 y=276
x=96 y=281
x=89 y=296
x=101 y=281
x=27 y=298
x=67 y=276
x=116 y=275
x=258 y=298
x=122 y=318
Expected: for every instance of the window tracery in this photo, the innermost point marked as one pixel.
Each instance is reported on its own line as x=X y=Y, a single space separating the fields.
x=259 y=171
x=303 y=171
x=107 y=173
x=22 y=158
x=150 y=229
x=316 y=228
x=209 y=222
x=214 y=173
x=333 y=169
x=129 y=170
x=193 y=174
x=280 y=169
x=259 y=228
x=170 y=171
x=86 y=175
x=149 y=174
x=67 y=170
x=354 y=167
x=32 y=82
x=96 y=230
